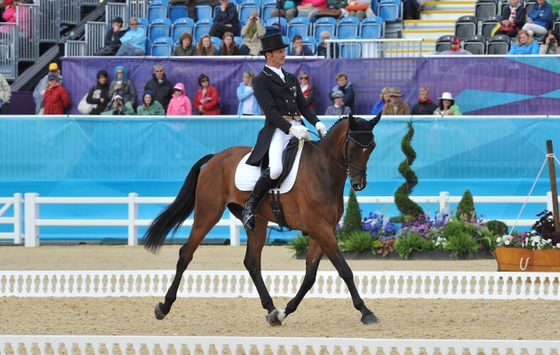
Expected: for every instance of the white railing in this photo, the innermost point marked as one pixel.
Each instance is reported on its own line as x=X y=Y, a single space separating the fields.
x=151 y=345
x=228 y=284
x=15 y=203
x=33 y=221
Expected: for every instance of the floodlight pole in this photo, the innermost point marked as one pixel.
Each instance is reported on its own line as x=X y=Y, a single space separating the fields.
x=553 y=187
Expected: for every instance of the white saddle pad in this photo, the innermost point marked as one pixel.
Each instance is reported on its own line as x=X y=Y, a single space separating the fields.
x=247 y=175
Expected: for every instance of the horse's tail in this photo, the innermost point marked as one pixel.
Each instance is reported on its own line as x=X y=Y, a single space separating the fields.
x=177 y=212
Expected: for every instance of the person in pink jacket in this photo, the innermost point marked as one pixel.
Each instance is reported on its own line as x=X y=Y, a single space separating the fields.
x=180 y=104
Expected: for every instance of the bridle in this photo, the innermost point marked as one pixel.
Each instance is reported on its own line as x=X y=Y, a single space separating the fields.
x=348 y=164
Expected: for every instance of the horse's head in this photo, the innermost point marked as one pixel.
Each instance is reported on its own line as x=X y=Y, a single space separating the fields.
x=358 y=145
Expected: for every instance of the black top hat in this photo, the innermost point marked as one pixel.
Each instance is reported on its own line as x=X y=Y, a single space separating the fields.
x=272 y=42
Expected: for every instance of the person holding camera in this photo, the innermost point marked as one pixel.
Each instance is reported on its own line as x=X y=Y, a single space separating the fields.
x=550 y=44
x=252 y=33
x=119 y=107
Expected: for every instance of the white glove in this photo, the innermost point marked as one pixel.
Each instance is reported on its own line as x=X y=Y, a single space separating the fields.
x=300 y=132
x=321 y=128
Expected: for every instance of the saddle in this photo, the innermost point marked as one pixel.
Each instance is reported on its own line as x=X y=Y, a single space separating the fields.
x=246 y=175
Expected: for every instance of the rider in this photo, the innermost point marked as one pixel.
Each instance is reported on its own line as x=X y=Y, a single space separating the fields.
x=279 y=95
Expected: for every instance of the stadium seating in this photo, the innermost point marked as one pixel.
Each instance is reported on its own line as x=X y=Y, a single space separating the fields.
x=158 y=9
x=475 y=44
x=324 y=24
x=311 y=43
x=466 y=26
x=162 y=47
x=299 y=26
x=283 y=24
x=143 y=22
x=443 y=43
x=267 y=7
x=202 y=27
x=483 y=9
x=160 y=27
x=488 y=25
x=498 y=44
x=390 y=10
x=372 y=27
x=350 y=50
x=245 y=9
x=217 y=43
x=177 y=11
x=181 y=25
x=347 y=27
x=204 y=11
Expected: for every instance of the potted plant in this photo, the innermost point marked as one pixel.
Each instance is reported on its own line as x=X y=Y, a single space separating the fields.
x=537 y=250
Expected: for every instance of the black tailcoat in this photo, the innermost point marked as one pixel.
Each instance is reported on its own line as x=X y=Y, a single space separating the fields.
x=277 y=98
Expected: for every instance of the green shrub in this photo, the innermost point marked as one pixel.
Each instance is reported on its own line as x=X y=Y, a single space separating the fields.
x=462 y=244
x=359 y=241
x=299 y=244
x=405 y=246
x=406 y=206
x=498 y=228
x=352 y=221
x=465 y=209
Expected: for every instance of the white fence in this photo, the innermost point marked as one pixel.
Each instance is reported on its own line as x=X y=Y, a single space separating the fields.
x=228 y=284
x=33 y=222
x=152 y=345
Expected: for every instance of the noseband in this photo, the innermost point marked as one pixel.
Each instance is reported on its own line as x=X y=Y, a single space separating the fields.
x=347 y=164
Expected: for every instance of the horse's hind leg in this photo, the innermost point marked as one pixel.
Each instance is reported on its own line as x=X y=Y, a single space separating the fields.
x=201 y=226
x=255 y=243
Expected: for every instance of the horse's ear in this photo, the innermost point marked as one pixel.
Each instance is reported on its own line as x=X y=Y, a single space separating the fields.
x=376 y=119
x=351 y=120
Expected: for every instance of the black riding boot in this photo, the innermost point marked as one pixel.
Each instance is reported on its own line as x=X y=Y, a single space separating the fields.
x=257 y=197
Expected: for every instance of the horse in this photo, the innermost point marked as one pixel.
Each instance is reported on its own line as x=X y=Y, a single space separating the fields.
x=314 y=206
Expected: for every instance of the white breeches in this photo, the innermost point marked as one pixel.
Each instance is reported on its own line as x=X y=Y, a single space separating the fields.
x=535 y=29
x=277 y=145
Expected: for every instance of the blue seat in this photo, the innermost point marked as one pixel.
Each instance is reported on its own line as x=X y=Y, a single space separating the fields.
x=299 y=26
x=202 y=27
x=350 y=49
x=372 y=27
x=347 y=27
x=143 y=22
x=325 y=24
x=238 y=40
x=158 y=9
x=245 y=9
x=267 y=7
x=286 y=40
x=282 y=25
x=311 y=43
x=177 y=11
x=148 y=46
x=217 y=43
x=390 y=10
x=204 y=11
x=180 y=26
x=160 y=27
x=162 y=47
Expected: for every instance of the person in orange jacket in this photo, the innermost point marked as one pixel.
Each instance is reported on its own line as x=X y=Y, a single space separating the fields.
x=56 y=99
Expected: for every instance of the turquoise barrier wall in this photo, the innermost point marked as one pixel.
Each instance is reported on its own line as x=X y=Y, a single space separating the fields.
x=93 y=156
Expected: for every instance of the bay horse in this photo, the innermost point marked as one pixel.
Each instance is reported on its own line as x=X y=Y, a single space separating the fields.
x=314 y=206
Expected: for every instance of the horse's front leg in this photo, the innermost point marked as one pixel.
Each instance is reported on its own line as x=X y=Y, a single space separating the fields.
x=334 y=254
x=255 y=243
x=314 y=255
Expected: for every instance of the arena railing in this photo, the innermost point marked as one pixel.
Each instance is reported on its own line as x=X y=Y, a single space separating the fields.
x=381 y=48
x=33 y=222
x=405 y=284
x=28 y=18
x=211 y=345
x=9 y=51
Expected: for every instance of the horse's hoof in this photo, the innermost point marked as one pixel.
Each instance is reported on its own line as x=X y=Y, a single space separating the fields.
x=370 y=319
x=275 y=317
x=158 y=313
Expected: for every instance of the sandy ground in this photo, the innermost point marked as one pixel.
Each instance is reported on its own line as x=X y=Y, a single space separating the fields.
x=400 y=318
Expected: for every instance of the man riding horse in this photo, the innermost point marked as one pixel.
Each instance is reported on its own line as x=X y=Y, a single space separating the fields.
x=279 y=95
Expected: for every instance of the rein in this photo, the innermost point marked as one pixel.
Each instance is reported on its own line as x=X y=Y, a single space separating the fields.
x=347 y=164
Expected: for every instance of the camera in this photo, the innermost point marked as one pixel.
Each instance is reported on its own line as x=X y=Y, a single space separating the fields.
x=552 y=40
